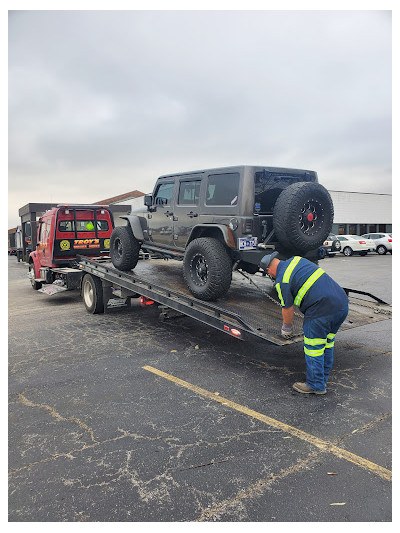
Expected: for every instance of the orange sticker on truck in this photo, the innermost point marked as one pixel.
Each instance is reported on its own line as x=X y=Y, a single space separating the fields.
x=86 y=243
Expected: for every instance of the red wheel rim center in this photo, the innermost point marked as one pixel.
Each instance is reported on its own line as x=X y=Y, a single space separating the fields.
x=310 y=217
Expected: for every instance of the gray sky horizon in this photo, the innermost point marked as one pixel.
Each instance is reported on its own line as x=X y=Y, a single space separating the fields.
x=103 y=102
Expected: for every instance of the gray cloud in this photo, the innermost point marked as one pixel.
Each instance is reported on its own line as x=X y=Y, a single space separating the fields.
x=101 y=103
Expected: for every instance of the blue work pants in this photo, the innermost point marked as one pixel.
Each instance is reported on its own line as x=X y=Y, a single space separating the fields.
x=319 y=342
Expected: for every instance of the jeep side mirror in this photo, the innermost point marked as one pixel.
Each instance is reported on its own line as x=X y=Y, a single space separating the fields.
x=148 y=200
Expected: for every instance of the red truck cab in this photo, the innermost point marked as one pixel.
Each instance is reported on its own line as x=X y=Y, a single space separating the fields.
x=65 y=232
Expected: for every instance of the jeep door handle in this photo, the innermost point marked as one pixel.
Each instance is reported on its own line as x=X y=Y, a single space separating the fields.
x=192 y=215
x=168 y=213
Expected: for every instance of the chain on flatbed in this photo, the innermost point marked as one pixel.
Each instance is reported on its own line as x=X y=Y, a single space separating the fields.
x=265 y=293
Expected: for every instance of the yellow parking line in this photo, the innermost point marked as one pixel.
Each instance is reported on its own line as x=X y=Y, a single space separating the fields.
x=311 y=439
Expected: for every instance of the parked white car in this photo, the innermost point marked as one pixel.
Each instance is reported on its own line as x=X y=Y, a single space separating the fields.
x=354 y=244
x=383 y=242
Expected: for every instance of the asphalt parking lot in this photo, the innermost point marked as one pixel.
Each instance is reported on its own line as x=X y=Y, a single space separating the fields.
x=122 y=417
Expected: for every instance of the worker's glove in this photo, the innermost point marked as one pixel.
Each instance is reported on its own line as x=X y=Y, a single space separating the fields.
x=287 y=330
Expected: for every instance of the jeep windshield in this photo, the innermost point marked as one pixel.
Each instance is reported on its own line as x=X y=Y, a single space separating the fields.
x=269 y=184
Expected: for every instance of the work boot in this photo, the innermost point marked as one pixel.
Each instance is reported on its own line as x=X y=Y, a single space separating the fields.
x=305 y=389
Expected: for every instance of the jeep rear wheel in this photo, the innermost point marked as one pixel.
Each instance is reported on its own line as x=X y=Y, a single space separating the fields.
x=124 y=248
x=207 y=269
x=303 y=216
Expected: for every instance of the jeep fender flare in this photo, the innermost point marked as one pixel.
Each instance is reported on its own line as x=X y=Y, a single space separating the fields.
x=136 y=226
x=33 y=258
x=219 y=231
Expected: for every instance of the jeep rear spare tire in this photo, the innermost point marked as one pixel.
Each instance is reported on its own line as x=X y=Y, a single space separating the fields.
x=124 y=248
x=207 y=268
x=303 y=216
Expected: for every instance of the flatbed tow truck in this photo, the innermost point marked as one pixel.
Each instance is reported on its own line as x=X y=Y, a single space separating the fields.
x=250 y=309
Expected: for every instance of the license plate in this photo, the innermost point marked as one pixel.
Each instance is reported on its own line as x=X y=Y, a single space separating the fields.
x=248 y=244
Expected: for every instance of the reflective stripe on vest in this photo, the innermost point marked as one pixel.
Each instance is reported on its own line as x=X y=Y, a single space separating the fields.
x=278 y=290
x=290 y=268
x=307 y=285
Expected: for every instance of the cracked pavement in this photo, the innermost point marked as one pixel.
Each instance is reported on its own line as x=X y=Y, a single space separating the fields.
x=94 y=437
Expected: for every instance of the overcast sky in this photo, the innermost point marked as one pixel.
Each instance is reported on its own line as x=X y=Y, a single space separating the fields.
x=101 y=103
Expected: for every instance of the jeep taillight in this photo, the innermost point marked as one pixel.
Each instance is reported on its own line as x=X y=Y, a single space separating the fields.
x=248 y=226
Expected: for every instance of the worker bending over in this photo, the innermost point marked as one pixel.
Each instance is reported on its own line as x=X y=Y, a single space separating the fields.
x=324 y=305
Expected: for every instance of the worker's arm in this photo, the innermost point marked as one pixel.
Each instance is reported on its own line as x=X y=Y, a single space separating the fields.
x=287 y=315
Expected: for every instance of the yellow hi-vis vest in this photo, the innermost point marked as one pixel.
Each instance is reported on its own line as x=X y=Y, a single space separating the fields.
x=306 y=285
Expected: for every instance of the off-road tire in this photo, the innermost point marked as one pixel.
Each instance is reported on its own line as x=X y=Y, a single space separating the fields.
x=36 y=285
x=207 y=269
x=92 y=294
x=124 y=248
x=293 y=228
x=381 y=250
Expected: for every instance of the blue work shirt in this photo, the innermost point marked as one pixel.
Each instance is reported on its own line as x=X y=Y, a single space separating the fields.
x=324 y=297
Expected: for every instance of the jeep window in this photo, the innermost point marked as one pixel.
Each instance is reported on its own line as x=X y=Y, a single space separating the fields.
x=82 y=225
x=222 y=189
x=164 y=194
x=269 y=185
x=189 y=192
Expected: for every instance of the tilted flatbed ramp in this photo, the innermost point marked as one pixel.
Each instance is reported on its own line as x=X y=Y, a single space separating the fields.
x=250 y=308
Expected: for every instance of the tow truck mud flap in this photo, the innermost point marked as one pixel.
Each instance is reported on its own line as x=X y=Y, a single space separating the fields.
x=52 y=289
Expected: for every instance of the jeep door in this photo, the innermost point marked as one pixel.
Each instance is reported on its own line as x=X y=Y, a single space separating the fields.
x=160 y=218
x=186 y=211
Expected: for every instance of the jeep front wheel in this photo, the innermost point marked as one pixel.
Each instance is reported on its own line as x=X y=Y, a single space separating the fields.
x=124 y=248
x=207 y=269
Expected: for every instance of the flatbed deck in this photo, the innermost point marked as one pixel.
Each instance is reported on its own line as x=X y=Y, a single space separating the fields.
x=250 y=308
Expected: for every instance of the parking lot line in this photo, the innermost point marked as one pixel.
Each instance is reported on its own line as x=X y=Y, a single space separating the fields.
x=311 y=439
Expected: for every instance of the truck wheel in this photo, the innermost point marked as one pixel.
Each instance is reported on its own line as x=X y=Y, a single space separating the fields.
x=92 y=294
x=303 y=216
x=124 y=248
x=36 y=285
x=207 y=269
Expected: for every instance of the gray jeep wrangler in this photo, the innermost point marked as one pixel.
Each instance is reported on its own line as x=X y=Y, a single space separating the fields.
x=222 y=219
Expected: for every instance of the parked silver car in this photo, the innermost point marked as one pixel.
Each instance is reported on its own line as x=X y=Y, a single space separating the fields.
x=383 y=242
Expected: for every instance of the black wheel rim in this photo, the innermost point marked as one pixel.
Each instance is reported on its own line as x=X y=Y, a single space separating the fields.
x=311 y=218
x=199 y=269
x=118 y=250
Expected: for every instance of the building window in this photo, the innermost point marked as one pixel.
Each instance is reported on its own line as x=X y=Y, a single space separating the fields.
x=372 y=228
x=342 y=229
x=382 y=227
x=352 y=229
x=363 y=229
